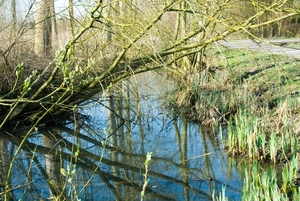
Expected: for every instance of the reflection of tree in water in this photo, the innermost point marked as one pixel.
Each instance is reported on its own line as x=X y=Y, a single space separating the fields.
x=110 y=165
x=93 y=167
x=52 y=167
x=4 y=164
x=182 y=150
x=204 y=173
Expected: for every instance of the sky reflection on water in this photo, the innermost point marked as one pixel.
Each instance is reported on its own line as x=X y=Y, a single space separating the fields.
x=188 y=162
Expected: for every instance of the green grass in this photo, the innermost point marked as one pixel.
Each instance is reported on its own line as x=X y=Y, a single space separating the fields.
x=262 y=101
x=266 y=85
x=294 y=45
x=261 y=72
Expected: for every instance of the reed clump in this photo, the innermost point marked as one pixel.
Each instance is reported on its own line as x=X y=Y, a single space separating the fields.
x=270 y=184
x=247 y=135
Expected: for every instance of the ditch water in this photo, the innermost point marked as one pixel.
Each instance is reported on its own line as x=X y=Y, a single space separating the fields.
x=101 y=156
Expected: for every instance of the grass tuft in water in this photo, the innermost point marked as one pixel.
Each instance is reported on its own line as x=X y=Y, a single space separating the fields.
x=264 y=185
x=222 y=195
x=261 y=186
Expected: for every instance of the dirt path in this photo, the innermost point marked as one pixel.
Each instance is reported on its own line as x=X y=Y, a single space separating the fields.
x=274 y=46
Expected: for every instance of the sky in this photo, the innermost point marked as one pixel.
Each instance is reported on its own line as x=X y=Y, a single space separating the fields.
x=24 y=5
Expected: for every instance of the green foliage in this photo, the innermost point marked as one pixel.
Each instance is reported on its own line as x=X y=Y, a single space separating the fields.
x=70 y=173
x=26 y=85
x=264 y=185
x=146 y=180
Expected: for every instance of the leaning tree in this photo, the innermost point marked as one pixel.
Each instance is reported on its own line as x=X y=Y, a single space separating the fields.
x=113 y=41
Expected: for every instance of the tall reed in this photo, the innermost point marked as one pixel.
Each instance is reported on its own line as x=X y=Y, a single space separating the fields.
x=262 y=184
x=247 y=135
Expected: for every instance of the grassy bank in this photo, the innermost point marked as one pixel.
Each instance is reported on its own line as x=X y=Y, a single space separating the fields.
x=254 y=96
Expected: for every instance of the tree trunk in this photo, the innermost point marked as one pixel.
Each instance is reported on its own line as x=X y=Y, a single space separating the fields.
x=14 y=16
x=71 y=15
x=43 y=27
x=53 y=22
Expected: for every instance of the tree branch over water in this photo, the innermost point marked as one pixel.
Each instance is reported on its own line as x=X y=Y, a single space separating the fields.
x=112 y=46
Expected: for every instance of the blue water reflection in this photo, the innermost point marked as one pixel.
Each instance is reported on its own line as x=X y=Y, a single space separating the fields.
x=188 y=162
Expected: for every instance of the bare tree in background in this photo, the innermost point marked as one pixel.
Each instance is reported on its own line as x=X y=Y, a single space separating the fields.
x=14 y=15
x=43 y=27
x=71 y=15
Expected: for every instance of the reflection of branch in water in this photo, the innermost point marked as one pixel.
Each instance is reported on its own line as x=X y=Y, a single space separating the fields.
x=87 y=154
x=207 y=175
x=105 y=176
x=122 y=121
x=85 y=157
x=168 y=161
x=44 y=150
x=89 y=165
x=139 y=117
x=120 y=118
x=65 y=143
x=29 y=153
x=84 y=154
x=14 y=188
